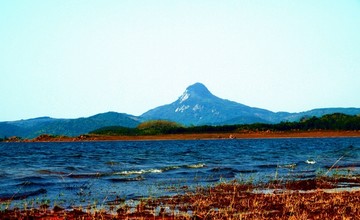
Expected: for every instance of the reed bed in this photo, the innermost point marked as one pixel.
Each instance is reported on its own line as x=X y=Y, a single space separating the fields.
x=319 y=198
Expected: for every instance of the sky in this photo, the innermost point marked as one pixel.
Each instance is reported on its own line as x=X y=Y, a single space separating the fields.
x=70 y=59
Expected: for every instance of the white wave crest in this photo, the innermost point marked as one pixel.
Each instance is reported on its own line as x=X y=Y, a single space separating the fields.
x=139 y=172
x=199 y=165
x=310 y=161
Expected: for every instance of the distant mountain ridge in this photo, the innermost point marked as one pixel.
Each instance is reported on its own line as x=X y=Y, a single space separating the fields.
x=196 y=106
x=69 y=127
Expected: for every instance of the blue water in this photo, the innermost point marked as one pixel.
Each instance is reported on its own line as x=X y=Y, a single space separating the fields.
x=77 y=173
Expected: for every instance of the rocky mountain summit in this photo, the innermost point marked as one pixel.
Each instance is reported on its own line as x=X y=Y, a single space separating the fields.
x=198 y=106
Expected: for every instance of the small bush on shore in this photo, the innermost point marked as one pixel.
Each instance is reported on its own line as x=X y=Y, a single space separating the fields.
x=158 y=127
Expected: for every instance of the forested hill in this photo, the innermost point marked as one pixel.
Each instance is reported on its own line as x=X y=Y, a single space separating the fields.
x=336 y=121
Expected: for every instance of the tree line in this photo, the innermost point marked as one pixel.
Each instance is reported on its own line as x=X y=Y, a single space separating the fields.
x=336 y=121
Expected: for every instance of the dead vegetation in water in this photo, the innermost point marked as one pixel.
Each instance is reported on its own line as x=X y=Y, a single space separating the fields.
x=303 y=199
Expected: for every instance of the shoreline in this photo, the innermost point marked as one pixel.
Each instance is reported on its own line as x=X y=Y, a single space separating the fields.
x=196 y=136
x=302 y=199
x=313 y=198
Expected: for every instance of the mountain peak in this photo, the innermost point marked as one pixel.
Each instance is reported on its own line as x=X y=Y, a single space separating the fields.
x=198 y=106
x=197 y=90
x=197 y=87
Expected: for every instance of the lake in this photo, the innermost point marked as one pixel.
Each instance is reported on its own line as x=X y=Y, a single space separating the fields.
x=82 y=173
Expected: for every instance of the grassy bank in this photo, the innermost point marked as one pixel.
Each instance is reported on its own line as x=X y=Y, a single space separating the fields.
x=303 y=199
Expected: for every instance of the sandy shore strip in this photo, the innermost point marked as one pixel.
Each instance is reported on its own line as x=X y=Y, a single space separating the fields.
x=199 y=136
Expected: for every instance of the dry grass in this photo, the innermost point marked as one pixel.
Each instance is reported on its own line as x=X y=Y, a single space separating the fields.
x=305 y=199
x=238 y=201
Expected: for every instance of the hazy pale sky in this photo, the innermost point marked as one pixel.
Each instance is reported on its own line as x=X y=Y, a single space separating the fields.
x=69 y=59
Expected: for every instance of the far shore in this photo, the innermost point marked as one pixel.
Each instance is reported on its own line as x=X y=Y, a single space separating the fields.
x=196 y=136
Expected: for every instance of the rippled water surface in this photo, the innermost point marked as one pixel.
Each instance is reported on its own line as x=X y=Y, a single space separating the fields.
x=86 y=172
